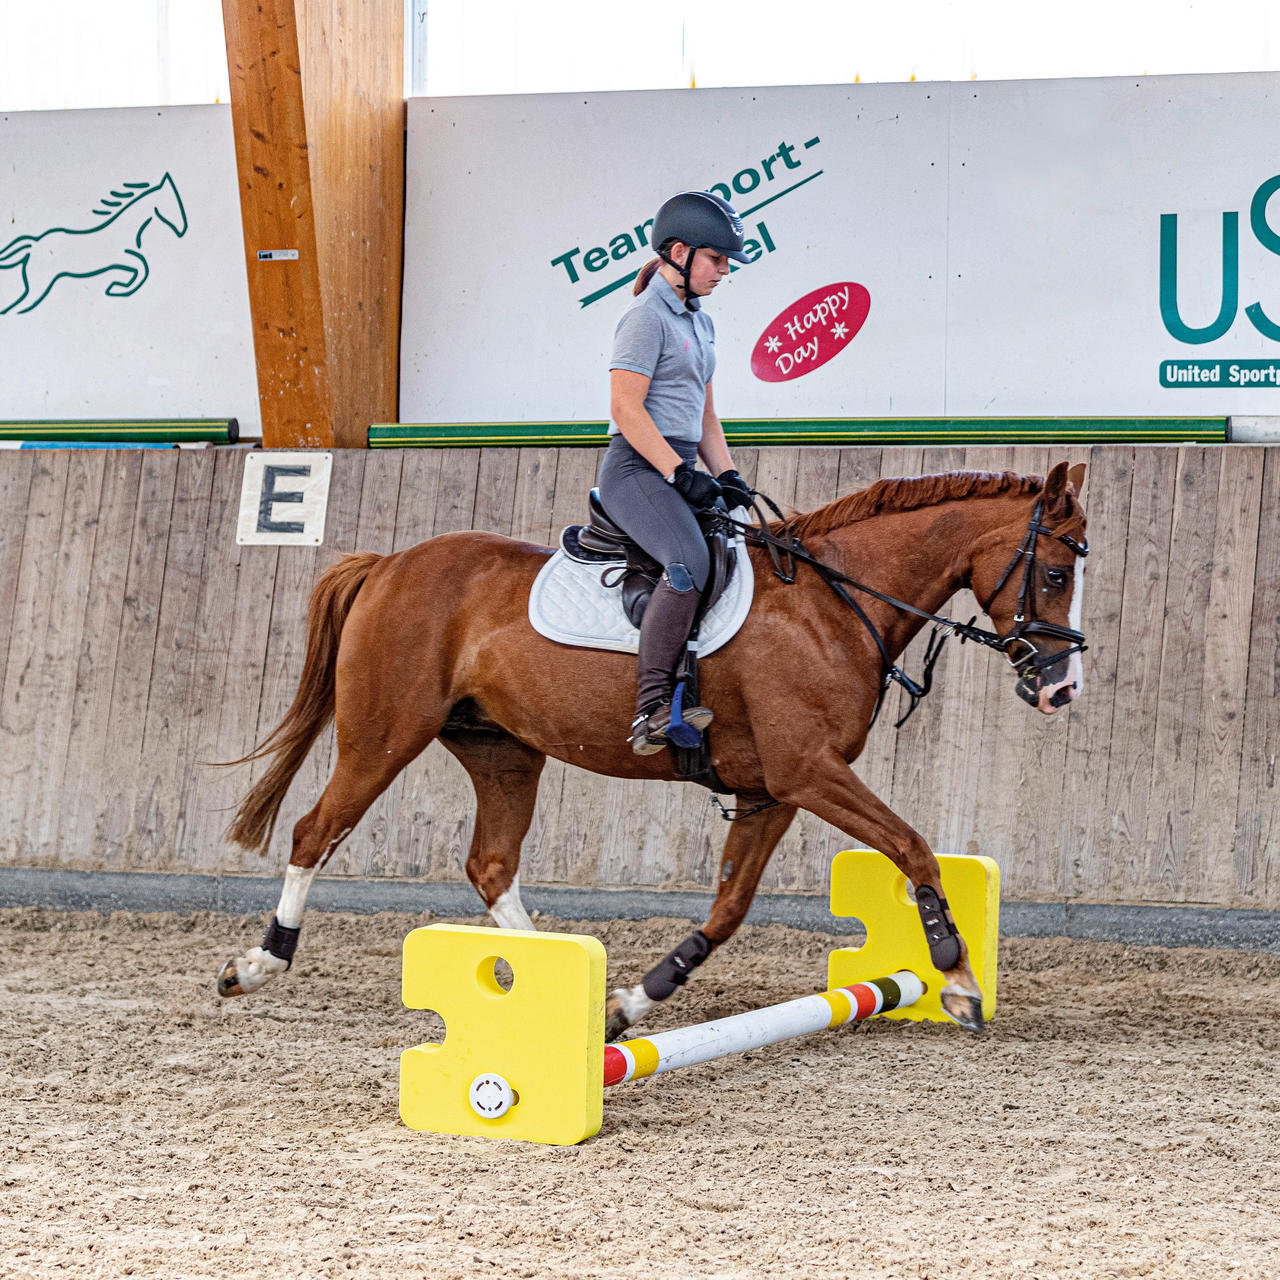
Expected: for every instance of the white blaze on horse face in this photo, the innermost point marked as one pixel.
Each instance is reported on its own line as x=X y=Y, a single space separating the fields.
x=293 y=897
x=1074 y=680
x=1075 y=670
x=508 y=912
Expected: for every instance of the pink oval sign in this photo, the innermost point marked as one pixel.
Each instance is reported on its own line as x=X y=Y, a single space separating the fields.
x=809 y=332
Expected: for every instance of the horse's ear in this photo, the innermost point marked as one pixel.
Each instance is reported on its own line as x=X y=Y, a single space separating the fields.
x=1075 y=478
x=1055 y=491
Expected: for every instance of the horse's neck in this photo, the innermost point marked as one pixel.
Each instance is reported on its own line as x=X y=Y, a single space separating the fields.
x=920 y=557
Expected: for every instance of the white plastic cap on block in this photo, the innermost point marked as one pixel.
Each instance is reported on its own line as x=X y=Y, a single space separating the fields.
x=491 y=1096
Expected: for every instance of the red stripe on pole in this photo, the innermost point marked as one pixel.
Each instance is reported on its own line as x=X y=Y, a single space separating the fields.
x=865 y=997
x=615 y=1065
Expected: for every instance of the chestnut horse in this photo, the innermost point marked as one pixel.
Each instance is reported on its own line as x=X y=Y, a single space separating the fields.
x=435 y=642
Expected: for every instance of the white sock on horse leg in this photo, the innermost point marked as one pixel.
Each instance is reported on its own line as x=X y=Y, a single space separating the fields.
x=634 y=1002
x=293 y=897
x=508 y=912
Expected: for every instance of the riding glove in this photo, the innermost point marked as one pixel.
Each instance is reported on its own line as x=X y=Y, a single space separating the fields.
x=696 y=487
x=734 y=489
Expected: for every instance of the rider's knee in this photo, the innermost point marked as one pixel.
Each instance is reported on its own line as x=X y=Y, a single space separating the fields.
x=690 y=572
x=678 y=578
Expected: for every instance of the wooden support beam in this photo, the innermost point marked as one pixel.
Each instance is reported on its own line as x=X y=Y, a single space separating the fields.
x=317 y=96
x=276 y=211
x=353 y=85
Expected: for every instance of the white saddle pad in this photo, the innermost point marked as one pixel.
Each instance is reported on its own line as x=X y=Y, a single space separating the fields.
x=568 y=604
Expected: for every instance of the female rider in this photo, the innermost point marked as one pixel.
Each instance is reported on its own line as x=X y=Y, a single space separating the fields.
x=664 y=416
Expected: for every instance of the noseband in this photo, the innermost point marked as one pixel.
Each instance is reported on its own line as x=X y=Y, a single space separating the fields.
x=1022 y=654
x=1017 y=647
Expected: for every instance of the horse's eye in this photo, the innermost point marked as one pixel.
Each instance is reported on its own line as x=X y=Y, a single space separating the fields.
x=1057 y=577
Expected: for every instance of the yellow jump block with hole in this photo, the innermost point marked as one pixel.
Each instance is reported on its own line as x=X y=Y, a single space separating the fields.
x=543 y=1040
x=530 y=1061
x=866 y=885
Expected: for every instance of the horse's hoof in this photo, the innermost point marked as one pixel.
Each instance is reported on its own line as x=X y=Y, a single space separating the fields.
x=616 y=1021
x=963 y=1008
x=229 y=981
x=249 y=972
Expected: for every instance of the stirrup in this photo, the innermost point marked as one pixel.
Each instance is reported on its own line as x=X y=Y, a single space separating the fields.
x=652 y=730
x=684 y=727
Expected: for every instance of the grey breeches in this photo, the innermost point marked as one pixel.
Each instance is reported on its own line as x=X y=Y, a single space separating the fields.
x=650 y=510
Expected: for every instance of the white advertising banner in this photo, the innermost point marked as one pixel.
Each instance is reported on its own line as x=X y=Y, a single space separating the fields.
x=123 y=290
x=1105 y=247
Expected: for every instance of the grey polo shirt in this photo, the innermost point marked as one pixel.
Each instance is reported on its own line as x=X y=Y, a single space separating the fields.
x=673 y=347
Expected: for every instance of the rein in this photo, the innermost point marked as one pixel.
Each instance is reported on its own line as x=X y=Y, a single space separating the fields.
x=1029 y=663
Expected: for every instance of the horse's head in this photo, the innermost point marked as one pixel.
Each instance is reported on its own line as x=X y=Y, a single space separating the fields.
x=168 y=206
x=1029 y=576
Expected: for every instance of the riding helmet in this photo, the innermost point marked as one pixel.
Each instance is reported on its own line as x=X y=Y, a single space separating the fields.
x=702 y=220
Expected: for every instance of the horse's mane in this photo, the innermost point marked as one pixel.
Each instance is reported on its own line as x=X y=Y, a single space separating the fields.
x=906 y=494
x=119 y=200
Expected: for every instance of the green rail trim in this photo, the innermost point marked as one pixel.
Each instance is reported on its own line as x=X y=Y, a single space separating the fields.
x=833 y=432
x=127 y=430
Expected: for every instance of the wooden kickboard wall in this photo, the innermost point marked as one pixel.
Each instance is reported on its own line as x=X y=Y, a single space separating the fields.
x=138 y=641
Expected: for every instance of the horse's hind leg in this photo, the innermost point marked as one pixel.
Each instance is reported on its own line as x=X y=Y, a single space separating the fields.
x=505 y=775
x=361 y=775
x=22 y=297
x=37 y=278
x=746 y=852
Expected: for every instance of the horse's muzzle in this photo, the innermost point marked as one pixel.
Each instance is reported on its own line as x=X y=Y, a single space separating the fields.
x=1038 y=674
x=1031 y=690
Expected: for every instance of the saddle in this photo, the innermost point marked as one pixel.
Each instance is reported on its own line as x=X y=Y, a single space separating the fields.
x=625 y=563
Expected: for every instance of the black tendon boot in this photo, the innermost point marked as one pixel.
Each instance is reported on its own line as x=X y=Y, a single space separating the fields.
x=664 y=631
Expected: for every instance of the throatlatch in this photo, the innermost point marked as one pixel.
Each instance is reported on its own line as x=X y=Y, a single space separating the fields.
x=939 y=932
x=281 y=941
x=672 y=972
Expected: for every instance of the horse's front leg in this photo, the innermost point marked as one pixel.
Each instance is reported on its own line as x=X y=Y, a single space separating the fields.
x=137 y=277
x=505 y=773
x=828 y=788
x=746 y=851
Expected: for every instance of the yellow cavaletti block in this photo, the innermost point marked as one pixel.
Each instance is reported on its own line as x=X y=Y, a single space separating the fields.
x=544 y=1037
x=866 y=885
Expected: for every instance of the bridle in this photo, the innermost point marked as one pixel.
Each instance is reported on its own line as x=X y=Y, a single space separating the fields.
x=1016 y=644
x=1027 y=660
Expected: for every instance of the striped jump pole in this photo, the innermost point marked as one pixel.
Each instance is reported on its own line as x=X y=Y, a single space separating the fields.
x=706 y=1041
x=491 y=1095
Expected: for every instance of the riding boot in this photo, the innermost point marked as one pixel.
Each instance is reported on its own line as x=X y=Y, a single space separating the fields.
x=664 y=631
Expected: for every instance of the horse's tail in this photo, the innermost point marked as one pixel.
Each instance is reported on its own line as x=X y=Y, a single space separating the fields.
x=312 y=707
x=14 y=254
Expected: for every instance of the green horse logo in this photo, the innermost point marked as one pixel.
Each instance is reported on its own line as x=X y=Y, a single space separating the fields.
x=112 y=246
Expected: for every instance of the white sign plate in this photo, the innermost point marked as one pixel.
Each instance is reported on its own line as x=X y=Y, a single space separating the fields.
x=125 y=292
x=283 y=497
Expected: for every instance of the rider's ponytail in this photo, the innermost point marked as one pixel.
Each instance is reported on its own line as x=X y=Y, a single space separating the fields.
x=646 y=274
